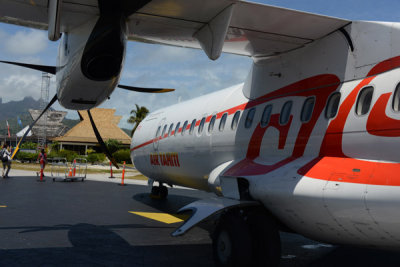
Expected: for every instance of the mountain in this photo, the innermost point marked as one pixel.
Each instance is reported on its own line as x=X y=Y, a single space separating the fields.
x=13 y=109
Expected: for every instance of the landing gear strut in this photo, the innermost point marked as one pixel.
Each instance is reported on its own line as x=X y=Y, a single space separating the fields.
x=159 y=192
x=246 y=238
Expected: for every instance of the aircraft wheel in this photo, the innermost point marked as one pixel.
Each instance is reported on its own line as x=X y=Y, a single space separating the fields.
x=163 y=192
x=232 y=244
x=266 y=241
x=155 y=192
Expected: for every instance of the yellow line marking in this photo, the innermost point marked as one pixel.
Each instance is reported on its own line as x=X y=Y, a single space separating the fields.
x=3 y=206
x=162 y=217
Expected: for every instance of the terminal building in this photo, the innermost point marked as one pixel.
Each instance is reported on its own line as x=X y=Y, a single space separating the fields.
x=81 y=136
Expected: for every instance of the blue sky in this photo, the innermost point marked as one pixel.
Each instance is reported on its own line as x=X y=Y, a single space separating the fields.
x=189 y=71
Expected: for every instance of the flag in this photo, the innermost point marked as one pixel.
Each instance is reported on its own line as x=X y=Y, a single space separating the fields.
x=8 y=129
x=19 y=122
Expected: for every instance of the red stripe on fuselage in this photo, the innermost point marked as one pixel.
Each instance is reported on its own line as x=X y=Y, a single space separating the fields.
x=315 y=82
x=379 y=124
x=331 y=154
x=248 y=166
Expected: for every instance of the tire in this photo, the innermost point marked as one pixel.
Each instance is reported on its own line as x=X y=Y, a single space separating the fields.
x=163 y=192
x=155 y=192
x=265 y=239
x=232 y=244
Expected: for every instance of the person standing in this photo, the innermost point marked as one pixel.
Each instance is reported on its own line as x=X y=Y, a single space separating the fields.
x=6 y=159
x=42 y=158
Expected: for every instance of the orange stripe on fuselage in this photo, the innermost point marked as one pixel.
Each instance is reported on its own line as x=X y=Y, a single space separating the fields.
x=353 y=171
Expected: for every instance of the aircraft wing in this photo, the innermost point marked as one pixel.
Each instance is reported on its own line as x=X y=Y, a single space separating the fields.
x=215 y=26
x=35 y=13
x=252 y=30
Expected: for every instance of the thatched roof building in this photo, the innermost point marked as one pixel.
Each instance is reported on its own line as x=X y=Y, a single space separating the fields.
x=82 y=135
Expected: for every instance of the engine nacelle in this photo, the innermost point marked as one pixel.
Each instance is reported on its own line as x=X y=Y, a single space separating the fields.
x=104 y=52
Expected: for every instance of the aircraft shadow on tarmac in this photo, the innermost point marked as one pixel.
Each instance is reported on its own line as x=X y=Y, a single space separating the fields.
x=100 y=245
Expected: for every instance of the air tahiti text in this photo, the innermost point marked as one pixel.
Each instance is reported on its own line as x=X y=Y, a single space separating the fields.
x=165 y=159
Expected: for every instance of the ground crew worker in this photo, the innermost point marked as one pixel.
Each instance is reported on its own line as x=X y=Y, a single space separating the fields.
x=6 y=159
x=42 y=158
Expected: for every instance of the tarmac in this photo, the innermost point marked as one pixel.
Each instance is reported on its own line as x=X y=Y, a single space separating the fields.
x=99 y=223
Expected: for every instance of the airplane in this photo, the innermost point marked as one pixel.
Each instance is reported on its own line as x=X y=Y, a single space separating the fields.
x=307 y=144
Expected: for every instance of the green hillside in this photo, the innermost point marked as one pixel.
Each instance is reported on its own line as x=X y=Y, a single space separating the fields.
x=11 y=110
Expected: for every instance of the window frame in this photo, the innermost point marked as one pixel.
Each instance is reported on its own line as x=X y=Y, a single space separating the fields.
x=164 y=130
x=211 y=124
x=253 y=110
x=290 y=112
x=396 y=91
x=192 y=126
x=235 y=120
x=177 y=128
x=358 y=100
x=184 y=127
x=223 y=119
x=201 y=126
x=170 y=129
x=327 y=105
x=312 y=110
x=158 y=132
x=269 y=116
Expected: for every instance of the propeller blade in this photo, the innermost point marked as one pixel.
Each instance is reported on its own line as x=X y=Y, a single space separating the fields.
x=101 y=142
x=48 y=69
x=54 y=99
x=145 y=90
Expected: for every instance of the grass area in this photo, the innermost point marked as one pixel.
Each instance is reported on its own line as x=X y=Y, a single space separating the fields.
x=137 y=177
x=36 y=167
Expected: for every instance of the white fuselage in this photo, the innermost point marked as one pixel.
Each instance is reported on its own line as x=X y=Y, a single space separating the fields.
x=332 y=178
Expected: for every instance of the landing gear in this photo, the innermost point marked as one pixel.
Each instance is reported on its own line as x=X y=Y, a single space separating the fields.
x=159 y=192
x=246 y=238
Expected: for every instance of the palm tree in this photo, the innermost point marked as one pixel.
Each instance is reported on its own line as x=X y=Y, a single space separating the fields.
x=137 y=116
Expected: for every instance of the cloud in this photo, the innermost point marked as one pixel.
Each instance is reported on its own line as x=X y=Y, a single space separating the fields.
x=189 y=71
x=26 y=42
x=17 y=86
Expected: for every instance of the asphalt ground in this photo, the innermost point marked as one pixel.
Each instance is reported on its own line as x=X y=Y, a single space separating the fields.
x=90 y=224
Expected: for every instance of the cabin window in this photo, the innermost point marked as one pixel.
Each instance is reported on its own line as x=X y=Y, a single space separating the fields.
x=222 y=122
x=396 y=99
x=192 y=126
x=164 y=130
x=201 y=125
x=65 y=44
x=266 y=115
x=250 y=117
x=285 y=112
x=235 y=120
x=170 y=129
x=177 y=128
x=307 y=110
x=364 y=100
x=184 y=127
x=332 y=106
x=211 y=124
x=158 y=131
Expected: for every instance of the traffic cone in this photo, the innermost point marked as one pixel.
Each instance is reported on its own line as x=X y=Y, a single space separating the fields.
x=74 y=168
x=123 y=176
